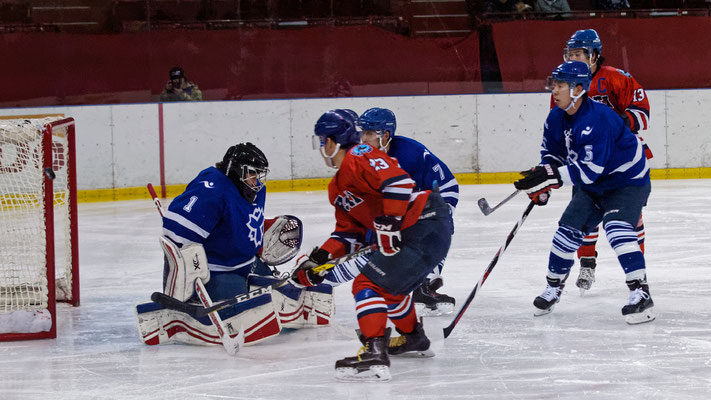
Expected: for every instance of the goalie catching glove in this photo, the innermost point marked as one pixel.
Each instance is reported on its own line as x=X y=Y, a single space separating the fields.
x=282 y=239
x=387 y=228
x=538 y=182
x=303 y=275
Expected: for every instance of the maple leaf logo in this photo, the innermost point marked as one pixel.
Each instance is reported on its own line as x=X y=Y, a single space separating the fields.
x=255 y=226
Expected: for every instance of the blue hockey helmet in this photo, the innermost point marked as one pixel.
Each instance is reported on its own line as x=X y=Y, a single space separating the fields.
x=379 y=120
x=348 y=111
x=573 y=72
x=587 y=39
x=340 y=125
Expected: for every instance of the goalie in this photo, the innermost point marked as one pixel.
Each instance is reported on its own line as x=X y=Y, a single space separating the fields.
x=215 y=232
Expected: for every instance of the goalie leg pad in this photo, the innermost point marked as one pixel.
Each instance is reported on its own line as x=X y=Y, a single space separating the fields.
x=158 y=325
x=282 y=239
x=319 y=306
x=184 y=266
x=256 y=317
x=289 y=302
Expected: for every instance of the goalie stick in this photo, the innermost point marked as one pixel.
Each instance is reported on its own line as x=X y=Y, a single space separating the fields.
x=509 y=238
x=486 y=209
x=232 y=344
x=196 y=311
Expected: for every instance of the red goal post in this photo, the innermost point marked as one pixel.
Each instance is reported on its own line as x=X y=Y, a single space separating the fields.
x=39 y=254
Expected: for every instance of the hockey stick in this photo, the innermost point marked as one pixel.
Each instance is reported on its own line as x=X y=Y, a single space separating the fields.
x=232 y=344
x=197 y=311
x=486 y=209
x=509 y=238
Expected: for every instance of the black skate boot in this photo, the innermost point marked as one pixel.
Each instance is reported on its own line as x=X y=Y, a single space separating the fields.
x=371 y=364
x=546 y=301
x=640 y=307
x=587 y=274
x=413 y=344
x=428 y=302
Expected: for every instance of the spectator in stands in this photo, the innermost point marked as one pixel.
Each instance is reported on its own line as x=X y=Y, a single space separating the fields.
x=611 y=4
x=506 y=6
x=179 y=88
x=551 y=6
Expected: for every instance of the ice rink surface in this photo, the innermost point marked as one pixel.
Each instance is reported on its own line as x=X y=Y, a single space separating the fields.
x=499 y=350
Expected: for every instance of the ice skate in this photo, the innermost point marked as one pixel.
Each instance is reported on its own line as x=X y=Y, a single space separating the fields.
x=371 y=364
x=546 y=301
x=413 y=344
x=640 y=307
x=587 y=274
x=429 y=303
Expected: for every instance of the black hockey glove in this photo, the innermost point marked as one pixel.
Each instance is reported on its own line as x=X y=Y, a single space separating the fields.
x=303 y=274
x=538 y=182
x=387 y=228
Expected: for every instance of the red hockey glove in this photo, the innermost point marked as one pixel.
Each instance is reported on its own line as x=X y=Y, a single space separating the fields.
x=539 y=180
x=541 y=199
x=303 y=274
x=387 y=228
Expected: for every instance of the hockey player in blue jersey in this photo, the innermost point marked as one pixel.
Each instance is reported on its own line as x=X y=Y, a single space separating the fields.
x=587 y=145
x=428 y=172
x=219 y=221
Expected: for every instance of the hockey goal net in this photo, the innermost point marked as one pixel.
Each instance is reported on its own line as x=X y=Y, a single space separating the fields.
x=39 y=263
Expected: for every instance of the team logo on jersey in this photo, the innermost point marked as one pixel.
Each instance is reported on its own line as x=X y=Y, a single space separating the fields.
x=586 y=131
x=572 y=155
x=347 y=201
x=209 y=185
x=256 y=226
x=361 y=149
x=604 y=99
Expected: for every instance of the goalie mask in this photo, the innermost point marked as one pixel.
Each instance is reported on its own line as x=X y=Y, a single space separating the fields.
x=247 y=167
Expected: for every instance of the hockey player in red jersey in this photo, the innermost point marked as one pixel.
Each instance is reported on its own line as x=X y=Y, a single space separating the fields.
x=370 y=191
x=620 y=91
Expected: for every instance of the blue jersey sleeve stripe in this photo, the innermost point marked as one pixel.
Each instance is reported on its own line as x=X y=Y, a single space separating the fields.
x=450 y=195
x=593 y=167
x=449 y=184
x=177 y=238
x=186 y=223
x=583 y=177
x=638 y=155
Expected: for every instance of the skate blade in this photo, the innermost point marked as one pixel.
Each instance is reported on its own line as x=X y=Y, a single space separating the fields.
x=537 y=312
x=376 y=373
x=582 y=291
x=415 y=354
x=442 y=308
x=583 y=286
x=640 y=317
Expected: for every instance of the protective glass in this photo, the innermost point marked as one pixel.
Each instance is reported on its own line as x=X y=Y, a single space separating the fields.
x=569 y=54
x=317 y=142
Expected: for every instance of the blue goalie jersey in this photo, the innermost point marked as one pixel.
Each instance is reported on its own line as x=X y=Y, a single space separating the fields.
x=212 y=212
x=600 y=152
x=424 y=168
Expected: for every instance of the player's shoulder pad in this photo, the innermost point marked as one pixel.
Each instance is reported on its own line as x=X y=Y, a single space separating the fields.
x=361 y=149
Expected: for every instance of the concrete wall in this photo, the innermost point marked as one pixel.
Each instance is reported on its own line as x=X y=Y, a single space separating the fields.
x=118 y=145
